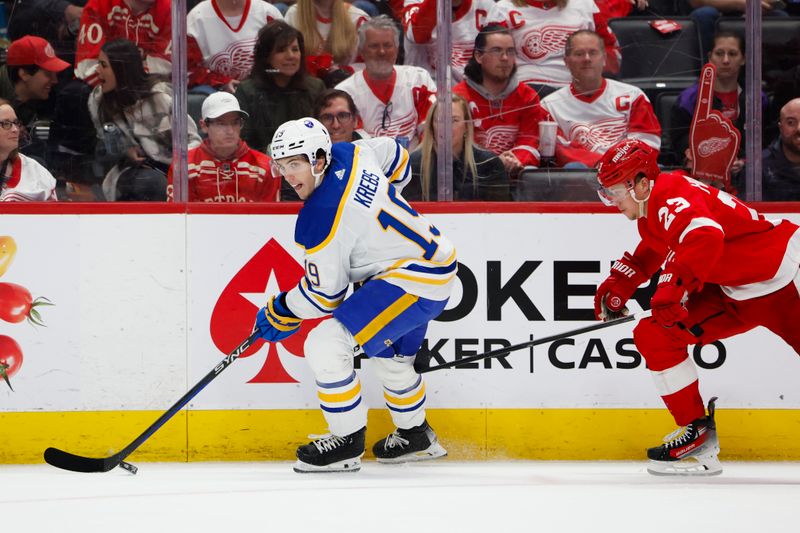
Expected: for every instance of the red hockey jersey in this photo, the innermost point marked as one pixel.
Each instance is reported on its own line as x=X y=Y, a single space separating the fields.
x=509 y=121
x=246 y=177
x=106 y=20
x=718 y=238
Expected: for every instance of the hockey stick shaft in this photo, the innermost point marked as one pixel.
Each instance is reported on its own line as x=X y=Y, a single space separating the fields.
x=77 y=463
x=536 y=342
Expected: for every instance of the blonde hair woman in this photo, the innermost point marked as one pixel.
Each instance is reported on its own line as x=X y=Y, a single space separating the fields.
x=477 y=174
x=329 y=30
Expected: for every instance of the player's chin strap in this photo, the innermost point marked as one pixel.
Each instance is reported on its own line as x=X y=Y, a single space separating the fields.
x=643 y=202
x=544 y=340
x=318 y=177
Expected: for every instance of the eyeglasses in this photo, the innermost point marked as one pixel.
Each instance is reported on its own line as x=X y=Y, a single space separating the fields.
x=497 y=52
x=8 y=124
x=292 y=167
x=237 y=123
x=342 y=116
x=387 y=113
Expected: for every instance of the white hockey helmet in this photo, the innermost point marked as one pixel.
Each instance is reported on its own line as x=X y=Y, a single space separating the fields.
x=305 y=136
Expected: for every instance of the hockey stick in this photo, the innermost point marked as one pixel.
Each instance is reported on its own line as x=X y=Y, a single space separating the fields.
x=544 y=340
x=78 y=463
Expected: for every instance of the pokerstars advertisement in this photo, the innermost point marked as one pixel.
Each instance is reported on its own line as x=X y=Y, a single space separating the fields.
x=136 y=309
x=521 y=277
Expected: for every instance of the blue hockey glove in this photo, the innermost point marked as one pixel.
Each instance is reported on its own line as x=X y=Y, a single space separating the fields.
x=274 y=322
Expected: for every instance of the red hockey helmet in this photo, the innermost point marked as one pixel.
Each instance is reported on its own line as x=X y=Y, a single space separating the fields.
x=625 y=160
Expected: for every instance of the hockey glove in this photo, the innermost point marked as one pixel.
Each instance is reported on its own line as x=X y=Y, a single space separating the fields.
x=612 y=295
x=675 y=284
x=274 y=322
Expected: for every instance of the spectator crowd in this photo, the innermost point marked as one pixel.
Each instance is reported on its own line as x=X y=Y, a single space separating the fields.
x=86 y=94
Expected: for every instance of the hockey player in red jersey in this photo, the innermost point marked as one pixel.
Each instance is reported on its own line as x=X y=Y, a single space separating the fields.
x=727 y=269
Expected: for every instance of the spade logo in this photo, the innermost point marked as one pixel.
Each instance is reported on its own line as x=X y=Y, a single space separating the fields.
x=235 y=311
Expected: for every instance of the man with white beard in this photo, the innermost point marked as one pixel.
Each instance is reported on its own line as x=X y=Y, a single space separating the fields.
x=392 y=99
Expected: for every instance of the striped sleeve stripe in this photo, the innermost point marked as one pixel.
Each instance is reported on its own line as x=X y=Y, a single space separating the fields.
x=338 y=296
x=313 y=301
x=699 y=222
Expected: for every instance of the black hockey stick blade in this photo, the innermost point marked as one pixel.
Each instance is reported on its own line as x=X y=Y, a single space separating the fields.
x=536 y=342
x=79 y=463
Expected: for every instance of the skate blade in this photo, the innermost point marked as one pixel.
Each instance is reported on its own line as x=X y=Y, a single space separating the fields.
x=685 y=467
x=434 y=451
x=348 y=465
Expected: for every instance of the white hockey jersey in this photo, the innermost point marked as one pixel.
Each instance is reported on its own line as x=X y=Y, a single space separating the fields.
x=419 y=23
x=29 y=182
x=592 y=123
x=540 y=32
x=399 y=117
x=356 y=226
x=227 y=43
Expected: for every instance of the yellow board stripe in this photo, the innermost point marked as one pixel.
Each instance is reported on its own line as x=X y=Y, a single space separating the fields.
x=340 y=209
x=394 y=400
x=340 y=396
x=468 y=434
x=389 y=314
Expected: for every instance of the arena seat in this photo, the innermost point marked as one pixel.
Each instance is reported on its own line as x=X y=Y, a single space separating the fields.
x=663 y=109
x=556 y=185
x=656 y=62
x=194 y=103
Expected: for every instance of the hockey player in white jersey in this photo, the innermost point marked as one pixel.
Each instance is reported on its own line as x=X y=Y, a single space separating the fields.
x=355 y=227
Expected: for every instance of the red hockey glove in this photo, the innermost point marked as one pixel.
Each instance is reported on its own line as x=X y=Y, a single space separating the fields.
x=675 y=284
x=626 y=275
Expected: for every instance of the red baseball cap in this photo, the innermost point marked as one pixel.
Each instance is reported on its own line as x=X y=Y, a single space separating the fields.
x=32 y=50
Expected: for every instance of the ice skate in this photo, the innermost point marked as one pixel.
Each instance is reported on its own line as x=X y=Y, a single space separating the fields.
x=689 y=451
x=407 y=445
x=329 y=453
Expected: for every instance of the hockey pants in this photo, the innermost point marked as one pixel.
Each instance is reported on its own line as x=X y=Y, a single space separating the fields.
x=712 y=316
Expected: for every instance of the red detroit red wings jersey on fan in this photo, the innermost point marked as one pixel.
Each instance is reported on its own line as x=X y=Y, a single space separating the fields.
x=405 y=109
x=718 y=238
x=226 y=45
x=540 y=32
x=106 y=20
x=509 y=121
x=419 y=23
x=245 y=177
x=589 y=125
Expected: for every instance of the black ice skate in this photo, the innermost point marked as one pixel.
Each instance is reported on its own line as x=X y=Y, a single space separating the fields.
x=406 y=445
x=688 y=451
x=330 y=453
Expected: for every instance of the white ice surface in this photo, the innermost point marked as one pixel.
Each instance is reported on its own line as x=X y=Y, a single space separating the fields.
x=442 y=497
